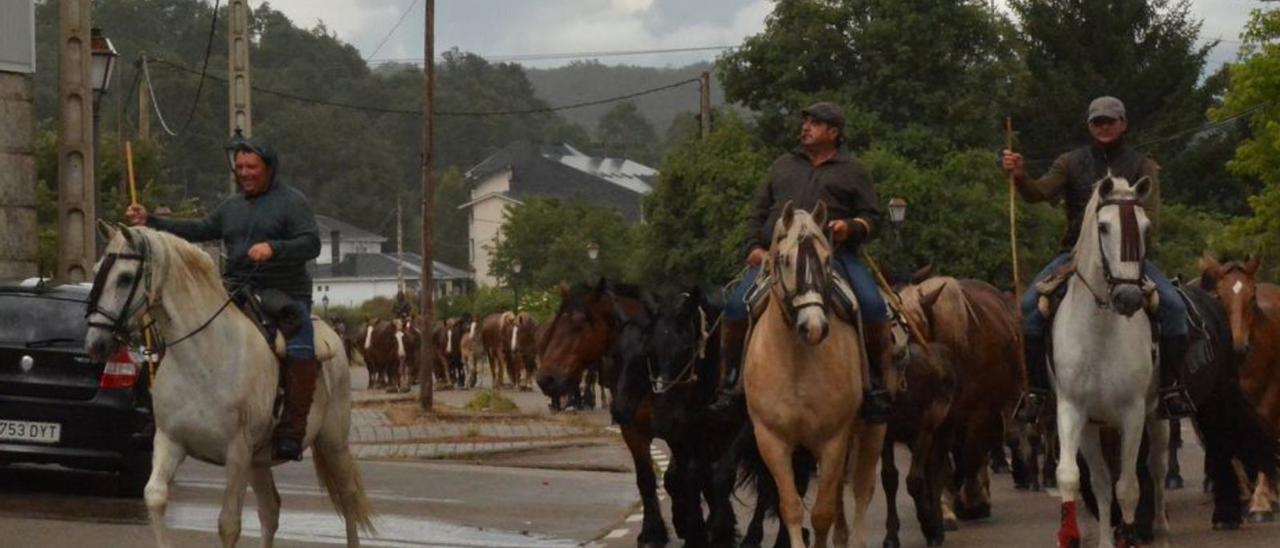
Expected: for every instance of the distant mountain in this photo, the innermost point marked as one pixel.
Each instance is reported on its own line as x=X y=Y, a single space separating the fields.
x=591 y=80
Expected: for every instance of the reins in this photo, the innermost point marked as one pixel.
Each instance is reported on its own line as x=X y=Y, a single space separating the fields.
x=688 y=373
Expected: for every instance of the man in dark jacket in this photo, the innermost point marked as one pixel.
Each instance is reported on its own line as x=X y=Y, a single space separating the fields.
x=820 y=169
x=1072 y=177
x=268 y=232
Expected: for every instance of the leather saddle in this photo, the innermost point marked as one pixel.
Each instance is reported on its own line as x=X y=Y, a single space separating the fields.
x=277 y=317
x=840 y=296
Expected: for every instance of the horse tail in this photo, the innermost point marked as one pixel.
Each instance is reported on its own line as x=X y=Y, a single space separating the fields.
x=348 y=497
x=743 y=458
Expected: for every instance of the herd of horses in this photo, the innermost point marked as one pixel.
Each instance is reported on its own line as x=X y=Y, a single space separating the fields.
x=660 y=356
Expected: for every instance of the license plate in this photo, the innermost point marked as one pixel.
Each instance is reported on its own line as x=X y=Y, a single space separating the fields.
x=39 y=432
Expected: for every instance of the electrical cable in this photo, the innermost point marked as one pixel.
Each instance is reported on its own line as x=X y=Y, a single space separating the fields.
x=204 y=70
x=392 y=31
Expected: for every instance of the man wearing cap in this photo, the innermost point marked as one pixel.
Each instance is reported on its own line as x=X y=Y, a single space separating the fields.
x=820 y=169
x=269 y=233
x=1071 y=177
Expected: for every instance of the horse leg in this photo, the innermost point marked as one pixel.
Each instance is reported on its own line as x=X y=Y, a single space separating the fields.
x=1128 y=491
x=865 y=447
x=776 y=453
x=1071 y=422
x=723 y=520
x=919 y=486
x=937 y=469
x=1099 y=480
x=264 y=491
x=889 y=478
x=653 y=531
x=239 y=458
x=1158 y=463
x=166 y=456
x=831 y=457
x=1173 y=480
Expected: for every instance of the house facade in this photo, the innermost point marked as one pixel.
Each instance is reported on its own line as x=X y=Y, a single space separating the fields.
x=525 y=170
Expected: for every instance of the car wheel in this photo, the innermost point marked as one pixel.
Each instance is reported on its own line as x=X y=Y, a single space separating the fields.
x=132 y=480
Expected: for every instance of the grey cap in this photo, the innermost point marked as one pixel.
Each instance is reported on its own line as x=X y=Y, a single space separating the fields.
x=1106 y=107
x=825 y=112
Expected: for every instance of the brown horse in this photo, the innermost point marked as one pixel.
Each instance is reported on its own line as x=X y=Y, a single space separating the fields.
x=1253 y=310
x=519 y=337
x=392 y=351
x=802 y=374
x=472 y=352
x=493 y=341
x=976 y=323
x=577 y=337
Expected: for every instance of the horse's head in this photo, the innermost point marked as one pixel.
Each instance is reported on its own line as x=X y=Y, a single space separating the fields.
x=1234 y=285
x=798 y=263
x=1120 y=224
x=579 y=335
x=683 y=354
x=120 y=291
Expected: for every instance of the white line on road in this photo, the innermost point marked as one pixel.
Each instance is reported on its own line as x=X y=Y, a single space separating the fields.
x=633 y=518
x=617 y=533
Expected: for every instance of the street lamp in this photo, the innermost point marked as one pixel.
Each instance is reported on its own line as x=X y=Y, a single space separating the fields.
x=234 y=147
x=593 y=250
x=897 y=210
x=324 y=301
x=515 y=285
x=104 y=60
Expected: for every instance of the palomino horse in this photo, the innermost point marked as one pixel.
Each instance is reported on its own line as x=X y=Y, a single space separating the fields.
x=1104 y=373
x=214 y=391
x=1253 y=311
x=803 y=375
x=576 y=339
x=975 y=322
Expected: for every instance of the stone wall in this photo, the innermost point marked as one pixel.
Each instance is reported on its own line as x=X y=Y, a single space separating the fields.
x=18 y=240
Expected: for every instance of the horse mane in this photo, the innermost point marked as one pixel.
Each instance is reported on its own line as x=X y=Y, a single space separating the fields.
x=178 y=265
x=1089 y=223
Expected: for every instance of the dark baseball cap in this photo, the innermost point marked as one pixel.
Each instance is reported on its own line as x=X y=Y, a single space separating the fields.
x=825 y=112
x=1106 y=107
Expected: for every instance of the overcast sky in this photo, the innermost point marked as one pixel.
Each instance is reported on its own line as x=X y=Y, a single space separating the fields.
x=503 y=28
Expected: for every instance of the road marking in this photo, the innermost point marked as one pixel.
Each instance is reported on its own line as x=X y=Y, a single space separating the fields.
x=617 y=533
x=633 y=518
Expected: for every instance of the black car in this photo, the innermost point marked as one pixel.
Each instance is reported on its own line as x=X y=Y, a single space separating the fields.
x=58 y=406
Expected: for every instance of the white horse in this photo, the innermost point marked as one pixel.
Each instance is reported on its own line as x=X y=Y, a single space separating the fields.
x=214 y=391
x=1104 y=370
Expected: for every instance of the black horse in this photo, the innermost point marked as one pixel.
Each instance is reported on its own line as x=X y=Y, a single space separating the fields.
x=1228 y=426
x=668 y=370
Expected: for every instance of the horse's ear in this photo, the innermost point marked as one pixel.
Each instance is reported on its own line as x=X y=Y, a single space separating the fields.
x=927 y=300
x=1251 y=266
x=1106 y=186
x=1142 y=188
x=788 y=215
x=819 y=214
x=128 y=235
x=1209 y=267
x=107 y=229
x=921 y=275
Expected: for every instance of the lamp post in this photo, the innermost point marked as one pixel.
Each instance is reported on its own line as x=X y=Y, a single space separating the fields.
x=324 y=301
x=897 y=210
x=515 y=284
x=593 y=253
x=104 y=59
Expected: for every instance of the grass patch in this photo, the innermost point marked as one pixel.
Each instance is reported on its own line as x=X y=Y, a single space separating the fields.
x=491 y=400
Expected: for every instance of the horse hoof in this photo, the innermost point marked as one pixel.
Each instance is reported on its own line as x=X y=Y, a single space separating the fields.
x=890 y=542
x=1261 y=517
x=1035 y=487
x=933 y=541
x=1226 y=525
x=1173 y=482
x=980 y=512
x=950 y=524
x=1022 y=486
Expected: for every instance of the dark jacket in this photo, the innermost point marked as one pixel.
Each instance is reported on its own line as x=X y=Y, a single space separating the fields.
x=842 y=182
x=1074 y=174
x=280 y=216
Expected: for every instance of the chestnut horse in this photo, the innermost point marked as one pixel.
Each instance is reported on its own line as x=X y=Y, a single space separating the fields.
x=803 y=375
x=1253 y=311
x=519 y=349
x=494 y=343
x=974 y=321
x=577 y=338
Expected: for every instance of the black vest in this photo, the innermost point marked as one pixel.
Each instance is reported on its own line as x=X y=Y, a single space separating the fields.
x=1086 y=166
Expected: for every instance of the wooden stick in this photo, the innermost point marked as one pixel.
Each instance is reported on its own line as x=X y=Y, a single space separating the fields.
x=128 y=157
x=1013 y=214
x=895 y=302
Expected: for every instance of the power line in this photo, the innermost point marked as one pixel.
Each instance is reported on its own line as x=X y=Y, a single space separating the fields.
x=563 y=55
x=538 y=110
x=204 y=70
x=392 y=31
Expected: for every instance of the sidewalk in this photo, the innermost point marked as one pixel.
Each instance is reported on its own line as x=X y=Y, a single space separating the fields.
x=391 y=426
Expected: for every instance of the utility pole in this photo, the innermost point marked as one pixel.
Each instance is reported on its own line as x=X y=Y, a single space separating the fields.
x=426 y=294
x=705 y=104
x=239 y=100
x=399 y=250
x=76 y=190
x=18 y=240
x=144 y=109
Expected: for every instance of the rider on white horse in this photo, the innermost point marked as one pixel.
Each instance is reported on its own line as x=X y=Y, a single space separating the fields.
x=1072 y=177
x=269 y=233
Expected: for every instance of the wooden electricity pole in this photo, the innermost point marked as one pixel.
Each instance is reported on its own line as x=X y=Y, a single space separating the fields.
x=239 y=101
x=426 y=295
x=704 y=106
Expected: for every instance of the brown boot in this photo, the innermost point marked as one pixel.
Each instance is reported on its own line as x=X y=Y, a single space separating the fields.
x=877 y=405
x=733 y=334
x=299 y=388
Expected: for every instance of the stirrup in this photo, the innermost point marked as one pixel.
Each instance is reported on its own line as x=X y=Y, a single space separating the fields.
x=1175 y=403
x=1031 y=407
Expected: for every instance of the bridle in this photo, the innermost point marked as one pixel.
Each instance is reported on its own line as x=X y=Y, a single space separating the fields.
x=811 y=280
x=689 y=373
x=1130 y=249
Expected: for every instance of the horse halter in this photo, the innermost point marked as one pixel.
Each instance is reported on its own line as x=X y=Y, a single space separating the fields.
x=811 y=281
x=1130 y=240
x=119 y=326
x=687 y=374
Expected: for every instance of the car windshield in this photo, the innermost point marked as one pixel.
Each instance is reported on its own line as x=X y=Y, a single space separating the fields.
x=41 y=320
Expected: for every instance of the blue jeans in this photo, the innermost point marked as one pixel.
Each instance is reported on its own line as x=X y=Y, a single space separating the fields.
x=302 y=345
x=870 y=303
x=1173 y=312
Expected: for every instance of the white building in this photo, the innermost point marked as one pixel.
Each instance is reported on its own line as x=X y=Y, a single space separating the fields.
x=523 y=170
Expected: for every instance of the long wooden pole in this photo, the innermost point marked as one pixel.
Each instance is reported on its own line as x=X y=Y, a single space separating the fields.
x=426 y=293
x=1013 y=214
x=149 y=351
x=895 y=302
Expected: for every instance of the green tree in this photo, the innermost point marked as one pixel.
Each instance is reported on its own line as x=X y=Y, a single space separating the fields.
x=918 y=76
x=695 y=216
x=624 y=133
x=550 y=238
